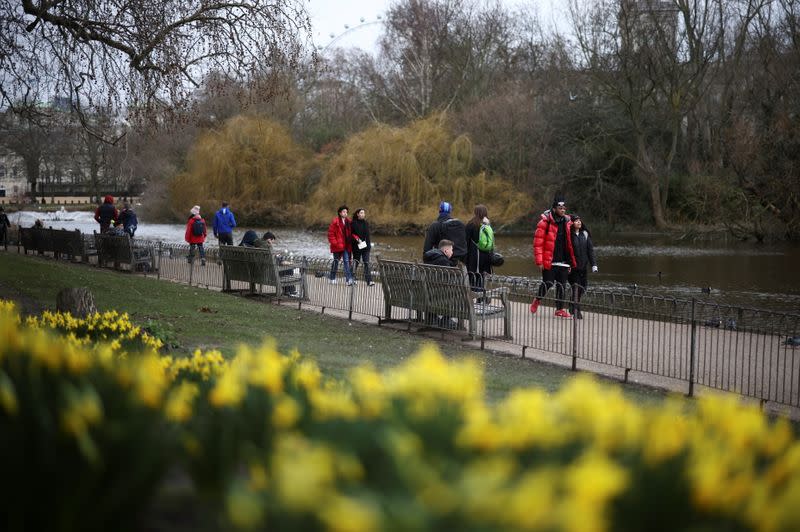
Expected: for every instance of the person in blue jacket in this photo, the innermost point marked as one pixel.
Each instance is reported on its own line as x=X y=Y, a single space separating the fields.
x=224 y=222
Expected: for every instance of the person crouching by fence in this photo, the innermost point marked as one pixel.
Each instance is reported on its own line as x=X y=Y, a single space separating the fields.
x=553 y=253
x=196 y=235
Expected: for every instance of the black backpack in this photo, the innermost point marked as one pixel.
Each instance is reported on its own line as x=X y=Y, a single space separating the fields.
x=454 y=230
x=198 y=227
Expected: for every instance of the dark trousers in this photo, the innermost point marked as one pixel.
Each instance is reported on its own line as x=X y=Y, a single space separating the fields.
x=557 y=275
x=578 y=280
x=225 y=238
x=361 y=256
x=200 y=248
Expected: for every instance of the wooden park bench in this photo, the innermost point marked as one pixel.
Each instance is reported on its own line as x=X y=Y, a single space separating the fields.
x=433 y=291
x=123 y=250
x=56 y=241
x=260 y=267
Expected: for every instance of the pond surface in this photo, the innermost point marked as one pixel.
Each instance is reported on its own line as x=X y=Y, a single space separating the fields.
x=747 y=274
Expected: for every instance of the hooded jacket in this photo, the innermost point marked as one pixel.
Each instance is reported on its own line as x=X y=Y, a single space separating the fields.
x=447 y=228
x=544 y=240
x=224 y=222
x=106 y=213
x=340 y=235
x=190 y=237
x=436 y=257
x=584 y=250
x=249 y=239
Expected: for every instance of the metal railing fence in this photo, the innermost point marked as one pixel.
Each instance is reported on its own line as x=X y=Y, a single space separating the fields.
x=752 y=352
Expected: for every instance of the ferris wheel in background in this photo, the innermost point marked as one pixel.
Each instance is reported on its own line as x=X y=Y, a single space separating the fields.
x=349 y=30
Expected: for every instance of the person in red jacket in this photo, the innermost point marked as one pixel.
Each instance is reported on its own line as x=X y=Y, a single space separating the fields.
x=553 y=253
x=196 y=235
x=340 y=235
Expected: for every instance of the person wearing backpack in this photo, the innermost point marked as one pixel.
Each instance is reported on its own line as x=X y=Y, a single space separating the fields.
x=196 y=235
x=480 y=245
x=447 y=228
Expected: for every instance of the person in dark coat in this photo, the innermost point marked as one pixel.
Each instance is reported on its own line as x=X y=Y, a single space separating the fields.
x=553 y=253
x=340 y=238
x=449 y=228
x=4 y=225
x=478 y=262
x=127 y=217
x=249 y=239
x=585 y=259
x=361 y=244
x=439 y=256
x=106 y=213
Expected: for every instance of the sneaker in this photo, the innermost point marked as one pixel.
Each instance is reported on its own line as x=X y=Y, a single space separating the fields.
x=561 y=313
x=351 y=282
x=371 y=283
x=332 y=281
x=535 y=306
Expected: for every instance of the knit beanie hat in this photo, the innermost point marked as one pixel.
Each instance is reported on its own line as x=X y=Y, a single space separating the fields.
x=558 y=198
x=445 y=208
x=195 y=210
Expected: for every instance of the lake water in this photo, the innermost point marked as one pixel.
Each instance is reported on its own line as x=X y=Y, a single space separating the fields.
x=748 y=274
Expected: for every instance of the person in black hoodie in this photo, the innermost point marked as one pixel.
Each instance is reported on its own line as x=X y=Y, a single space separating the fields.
x=439 y=256
x=585 y=259
x=4 y=225
x=362 y=244
x=449 y=228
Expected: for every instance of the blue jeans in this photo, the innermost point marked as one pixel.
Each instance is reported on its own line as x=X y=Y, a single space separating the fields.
x=345 y=257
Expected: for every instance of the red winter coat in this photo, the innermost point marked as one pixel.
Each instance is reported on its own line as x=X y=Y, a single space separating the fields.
x=340 y=235
x=190 y=237
x=544 y=241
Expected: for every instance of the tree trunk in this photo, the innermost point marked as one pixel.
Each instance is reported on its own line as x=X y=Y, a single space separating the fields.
x=655 y=204
x=77 y=301
x=649 y=177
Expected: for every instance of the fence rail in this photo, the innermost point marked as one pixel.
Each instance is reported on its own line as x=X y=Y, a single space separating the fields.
x=752 y=352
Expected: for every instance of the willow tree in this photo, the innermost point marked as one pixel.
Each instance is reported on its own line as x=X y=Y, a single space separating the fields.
x=251 y=162
x=401 y=174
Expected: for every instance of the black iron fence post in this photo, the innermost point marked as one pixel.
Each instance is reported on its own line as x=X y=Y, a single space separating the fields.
x=574 y=343
x=158 y=264
x=352 y=288
x=692 y=350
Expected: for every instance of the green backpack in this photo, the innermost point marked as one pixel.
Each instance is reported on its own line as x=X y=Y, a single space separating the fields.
x=486 y=238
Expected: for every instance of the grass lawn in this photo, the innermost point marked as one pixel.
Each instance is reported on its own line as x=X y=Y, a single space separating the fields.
x=191 y=318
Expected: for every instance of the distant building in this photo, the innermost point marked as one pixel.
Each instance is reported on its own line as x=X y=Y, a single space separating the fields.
x=652 y=23
x=13 y=183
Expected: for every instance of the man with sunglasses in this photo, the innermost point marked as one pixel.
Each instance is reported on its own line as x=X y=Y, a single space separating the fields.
x=553 y=253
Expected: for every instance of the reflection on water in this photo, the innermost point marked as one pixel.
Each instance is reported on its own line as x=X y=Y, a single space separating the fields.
x=745 y=274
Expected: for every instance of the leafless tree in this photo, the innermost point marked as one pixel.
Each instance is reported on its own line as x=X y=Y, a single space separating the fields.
x=652 y=60
x=138 y=56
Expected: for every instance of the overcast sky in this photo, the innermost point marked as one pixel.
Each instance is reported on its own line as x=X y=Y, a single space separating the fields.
x=329 y=17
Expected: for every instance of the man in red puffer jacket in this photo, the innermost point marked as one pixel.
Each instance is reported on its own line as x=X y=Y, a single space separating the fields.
x=340 y=236
x=553 y=253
